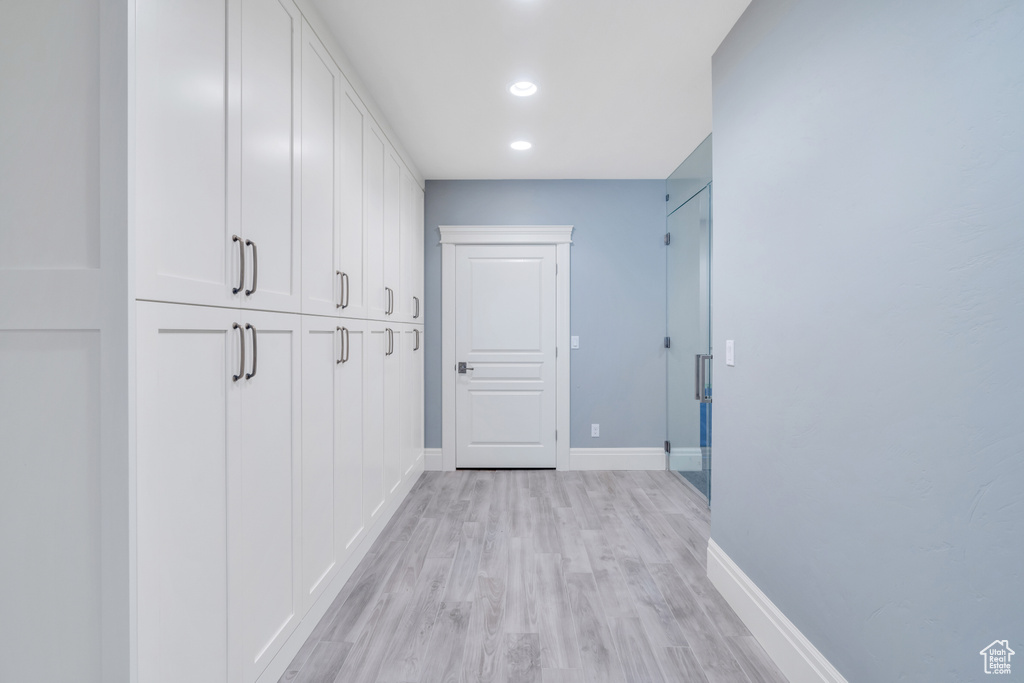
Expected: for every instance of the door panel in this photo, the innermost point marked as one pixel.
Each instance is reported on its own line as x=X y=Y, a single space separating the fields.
x=350 y=201
x=187 y=422
x=348 y=435
x=373 y=421
x=183 y=246
x=320 y=92
x=689 y=326
x=269 y=216
x=505 y=333
x=412 y=250
x=269 y=480
x=392 y=232
x=373 y=177
x=393 y=442
x=412 y=398
x=320 y=349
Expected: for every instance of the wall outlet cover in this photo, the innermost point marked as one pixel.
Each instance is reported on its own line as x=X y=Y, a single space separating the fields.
x=595 y=430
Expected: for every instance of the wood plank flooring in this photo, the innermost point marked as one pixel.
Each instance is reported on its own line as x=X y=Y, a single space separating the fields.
x=536 y=577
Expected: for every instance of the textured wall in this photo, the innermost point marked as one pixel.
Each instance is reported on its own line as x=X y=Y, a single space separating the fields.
x=869 y=263
x=617 y=294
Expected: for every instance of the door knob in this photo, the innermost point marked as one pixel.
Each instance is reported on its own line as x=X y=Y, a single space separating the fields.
x=463 y=367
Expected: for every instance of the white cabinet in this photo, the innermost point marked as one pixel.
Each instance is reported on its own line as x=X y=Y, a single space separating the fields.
x=374 y=155
x=392 y=379
x=265 y=123
x=392 y=233
x=331 y=137
x=188 y=439
x=351 y=117
x=320 y=150
x=377 y=345
x=218 y=412
x=332 y=448
x=184 y=250
x=279 y=376
x=267 y=484
x=410 y=302
x=412 y=397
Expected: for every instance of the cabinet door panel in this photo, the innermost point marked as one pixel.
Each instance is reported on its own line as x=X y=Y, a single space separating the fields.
x=269 y=216
x=393 y=440
x=183 y=247
x=392 y=231
x=320 y=351
x=350 y=201
x=320 y=91
x=373 y=177
x=269 y=489
x=373 y=422
x=348 y=434
x=187 y=437
x=412 y=398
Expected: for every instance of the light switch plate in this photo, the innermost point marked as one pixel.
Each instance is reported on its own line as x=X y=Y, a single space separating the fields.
x=730 y=353
x=595 y=430
x=574 y=342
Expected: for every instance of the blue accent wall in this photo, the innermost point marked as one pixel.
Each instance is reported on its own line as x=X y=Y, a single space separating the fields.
x=869 y=264
x=617 y=294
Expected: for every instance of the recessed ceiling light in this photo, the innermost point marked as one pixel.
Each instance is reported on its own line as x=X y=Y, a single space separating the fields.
x=522 y=89
x=521 y=145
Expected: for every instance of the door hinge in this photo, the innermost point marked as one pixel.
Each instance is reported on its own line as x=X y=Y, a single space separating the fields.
x=668 y=342
x=668 y=446
x=556 y=269
x=666 y=198
x=556 y=435
x=668 y=238
x=556 y=352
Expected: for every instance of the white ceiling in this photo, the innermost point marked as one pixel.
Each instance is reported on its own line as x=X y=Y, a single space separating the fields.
x=624 y=85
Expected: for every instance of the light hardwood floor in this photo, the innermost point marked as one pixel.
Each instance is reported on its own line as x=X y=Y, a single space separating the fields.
x=536 y=577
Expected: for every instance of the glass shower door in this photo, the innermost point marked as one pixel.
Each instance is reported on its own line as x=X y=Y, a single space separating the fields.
x=689 y=333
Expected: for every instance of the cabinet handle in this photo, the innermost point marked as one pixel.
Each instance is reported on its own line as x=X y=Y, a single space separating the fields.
x=241 y=352
x=700 y=374
x=416 y=315
x=391 y=342
x=255 y=267
x=344 y=289
x=417 y=346
x=344 y=346
x=391 y=301
x=250 y=375
x=241 y=264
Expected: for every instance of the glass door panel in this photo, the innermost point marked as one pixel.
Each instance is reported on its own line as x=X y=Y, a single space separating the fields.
x=689 y=332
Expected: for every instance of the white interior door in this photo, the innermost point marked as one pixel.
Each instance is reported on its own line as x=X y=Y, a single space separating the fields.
x=505 y=333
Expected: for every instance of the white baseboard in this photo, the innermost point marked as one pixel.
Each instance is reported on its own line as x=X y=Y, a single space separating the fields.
x=795 y=656
x=432 y=461
x=587 y=459
x=279 y=664
x=616 y=459
x=686 y=459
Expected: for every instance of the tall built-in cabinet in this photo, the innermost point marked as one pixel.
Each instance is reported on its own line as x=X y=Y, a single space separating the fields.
x=279 y=414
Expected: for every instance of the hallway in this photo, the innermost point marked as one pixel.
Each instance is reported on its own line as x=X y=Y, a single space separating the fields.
x=536 y=577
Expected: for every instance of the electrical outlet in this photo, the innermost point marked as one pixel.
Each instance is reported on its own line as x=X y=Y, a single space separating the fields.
x=595 y=430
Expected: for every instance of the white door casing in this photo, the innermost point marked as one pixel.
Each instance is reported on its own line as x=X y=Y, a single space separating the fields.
x=505 y=309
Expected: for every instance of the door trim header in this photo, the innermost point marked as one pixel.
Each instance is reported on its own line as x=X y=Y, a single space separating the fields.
x=506 y=234
x=453 y=235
